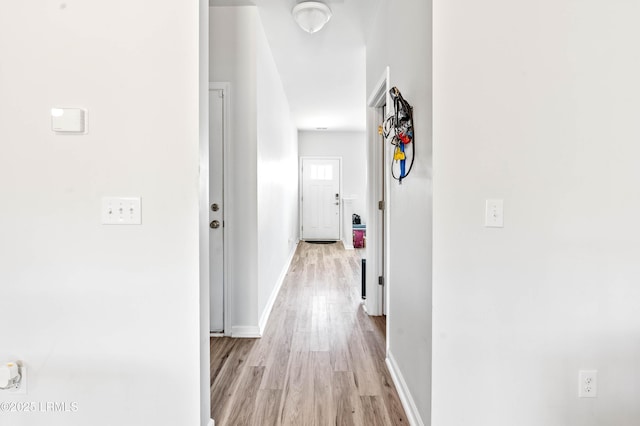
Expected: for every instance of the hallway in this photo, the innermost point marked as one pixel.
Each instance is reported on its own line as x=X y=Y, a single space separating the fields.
x=321 y=359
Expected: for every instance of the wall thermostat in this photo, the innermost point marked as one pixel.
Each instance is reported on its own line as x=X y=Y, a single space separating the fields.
x=69 y=120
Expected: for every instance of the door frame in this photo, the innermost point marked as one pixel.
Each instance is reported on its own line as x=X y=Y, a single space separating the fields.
x=225 y=87
x=203 y=216
x=300 y=187
x=377 y=179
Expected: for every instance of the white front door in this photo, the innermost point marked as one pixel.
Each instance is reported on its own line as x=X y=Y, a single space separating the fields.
x=216 y=210
x=320 y=198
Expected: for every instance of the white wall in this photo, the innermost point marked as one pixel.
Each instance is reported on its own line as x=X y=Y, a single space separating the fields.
x=262 y=207
x=536 y=103
x=98 y=313
x=408 y=53
x=233 y=60
x=351 y=147
x=277 y=175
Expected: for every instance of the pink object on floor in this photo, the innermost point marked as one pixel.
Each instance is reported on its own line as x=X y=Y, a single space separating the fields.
x=358 y=238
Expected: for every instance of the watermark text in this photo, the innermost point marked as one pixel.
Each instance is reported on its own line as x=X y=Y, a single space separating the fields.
x=38 y=407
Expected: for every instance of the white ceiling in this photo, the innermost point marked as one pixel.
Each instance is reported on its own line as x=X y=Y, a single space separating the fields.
x=323 y=74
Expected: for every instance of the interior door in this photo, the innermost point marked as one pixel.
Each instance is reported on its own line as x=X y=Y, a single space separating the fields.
x=320 y=198
x=216 y=209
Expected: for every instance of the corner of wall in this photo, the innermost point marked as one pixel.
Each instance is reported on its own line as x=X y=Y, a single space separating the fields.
x=264 y=317
x=409 y=405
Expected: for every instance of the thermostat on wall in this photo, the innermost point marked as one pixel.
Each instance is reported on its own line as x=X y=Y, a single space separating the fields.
x=69 y=120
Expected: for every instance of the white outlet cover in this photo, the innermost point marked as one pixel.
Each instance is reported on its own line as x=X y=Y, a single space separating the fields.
x=121 y=211
x=588 y=384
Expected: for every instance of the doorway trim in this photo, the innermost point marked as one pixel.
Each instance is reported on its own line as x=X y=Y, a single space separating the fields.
x=203 y=217
x=378 y=178
x=225 y=87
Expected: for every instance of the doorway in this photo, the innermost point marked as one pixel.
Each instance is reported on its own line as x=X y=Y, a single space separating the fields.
x=320 y=198
x=218 y=98
x=378 y=280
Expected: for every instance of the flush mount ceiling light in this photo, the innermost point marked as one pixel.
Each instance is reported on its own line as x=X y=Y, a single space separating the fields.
x=311 y=15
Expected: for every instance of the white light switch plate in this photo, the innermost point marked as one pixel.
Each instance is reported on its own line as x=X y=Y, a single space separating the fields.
x=494 y=214
x=121 y=211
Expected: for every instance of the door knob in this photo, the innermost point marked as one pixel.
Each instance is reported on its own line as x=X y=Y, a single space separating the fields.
x=215 y=224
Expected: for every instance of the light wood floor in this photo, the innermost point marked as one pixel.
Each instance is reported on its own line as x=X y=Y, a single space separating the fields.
x=321 y=359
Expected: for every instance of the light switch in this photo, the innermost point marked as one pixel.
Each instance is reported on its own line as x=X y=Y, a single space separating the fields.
x=494 y=214
x=121 y=211
x=68 y=120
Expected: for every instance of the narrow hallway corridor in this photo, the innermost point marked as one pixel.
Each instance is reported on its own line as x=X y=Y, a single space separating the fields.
x=321 y=359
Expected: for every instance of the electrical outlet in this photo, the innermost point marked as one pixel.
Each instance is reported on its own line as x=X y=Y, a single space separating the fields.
x=587 y=383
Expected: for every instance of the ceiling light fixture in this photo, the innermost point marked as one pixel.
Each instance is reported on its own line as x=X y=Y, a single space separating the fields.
x=311 y=15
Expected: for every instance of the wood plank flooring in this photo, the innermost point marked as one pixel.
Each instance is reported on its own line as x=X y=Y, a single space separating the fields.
x=321 y=359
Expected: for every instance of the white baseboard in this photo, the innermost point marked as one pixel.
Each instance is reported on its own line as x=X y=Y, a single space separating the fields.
x=348 y=244
x=409 y=405
x=245 y=331
x=274 y=293
x=212 y=422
